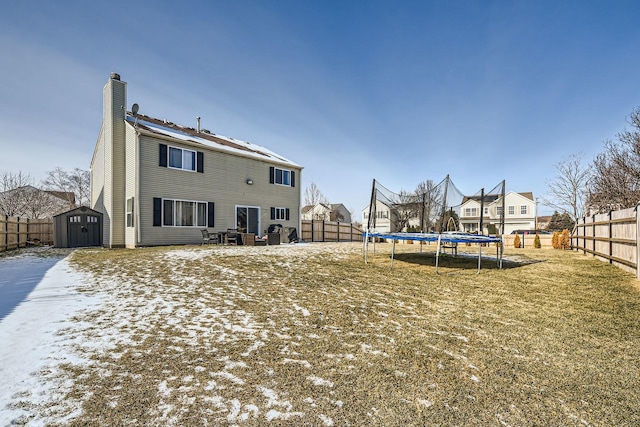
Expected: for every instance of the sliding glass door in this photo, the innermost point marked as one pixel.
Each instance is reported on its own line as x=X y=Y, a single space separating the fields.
x=248 y=219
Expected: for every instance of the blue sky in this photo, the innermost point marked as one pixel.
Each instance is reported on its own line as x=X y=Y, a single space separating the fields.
x=399 y=91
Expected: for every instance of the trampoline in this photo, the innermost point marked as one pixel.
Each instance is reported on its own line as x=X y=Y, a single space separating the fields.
x=431 y=213
x=446 y=239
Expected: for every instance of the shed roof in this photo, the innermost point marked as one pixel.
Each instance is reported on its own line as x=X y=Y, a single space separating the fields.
x=79 y=210
x=227 y=144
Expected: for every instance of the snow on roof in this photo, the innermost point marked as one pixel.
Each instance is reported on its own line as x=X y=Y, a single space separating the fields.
x=151 y=125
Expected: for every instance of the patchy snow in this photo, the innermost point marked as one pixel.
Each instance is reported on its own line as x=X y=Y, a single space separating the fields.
x=33 y=345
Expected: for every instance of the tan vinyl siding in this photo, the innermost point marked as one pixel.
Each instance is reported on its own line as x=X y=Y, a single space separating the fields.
x=223 y=182
x=118 y=205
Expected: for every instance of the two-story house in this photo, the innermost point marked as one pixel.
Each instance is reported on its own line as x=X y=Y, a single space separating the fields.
x=159 y=183
x=326 y=212
x=386 y=218
x=519 y=213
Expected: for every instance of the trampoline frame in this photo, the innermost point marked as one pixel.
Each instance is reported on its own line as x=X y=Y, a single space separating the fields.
x=441 y=238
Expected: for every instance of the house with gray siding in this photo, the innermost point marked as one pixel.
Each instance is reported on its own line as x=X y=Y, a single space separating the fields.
x=159 y=183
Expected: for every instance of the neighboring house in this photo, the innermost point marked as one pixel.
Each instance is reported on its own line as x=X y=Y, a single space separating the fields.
x=519 y=214
x=385 y=220
x=326 y=212
x=543 y=222
x=31 y=202
x=158 y=183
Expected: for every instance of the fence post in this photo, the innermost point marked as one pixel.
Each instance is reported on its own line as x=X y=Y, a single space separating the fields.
x=593 y=233
x=338 y=231
x=610 y=236
x=637 y=243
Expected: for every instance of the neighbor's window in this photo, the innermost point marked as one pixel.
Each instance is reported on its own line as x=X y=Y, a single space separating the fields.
x=499 y=210
x=130 y=212
x=523 y=210
x=512 y=210
x=470 y=211
x=184 y=213
x=486 y=210
x=180 y=158
x=382 y=214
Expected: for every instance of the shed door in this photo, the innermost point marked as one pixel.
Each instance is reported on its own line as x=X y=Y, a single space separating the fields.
x=83 y=230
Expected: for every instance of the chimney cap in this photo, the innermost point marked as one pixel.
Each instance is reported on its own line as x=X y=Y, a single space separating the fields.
x=115 y=76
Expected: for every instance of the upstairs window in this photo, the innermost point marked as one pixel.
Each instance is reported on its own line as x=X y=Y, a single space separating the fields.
x=470 y=211
x=523 y=210
x=182 y=159
x=512 y=210
x=284 y=177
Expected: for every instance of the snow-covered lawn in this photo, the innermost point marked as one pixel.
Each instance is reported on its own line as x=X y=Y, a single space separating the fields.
x=309 y=335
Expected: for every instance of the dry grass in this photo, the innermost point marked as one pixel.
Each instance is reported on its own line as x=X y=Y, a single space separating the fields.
x=310 y=335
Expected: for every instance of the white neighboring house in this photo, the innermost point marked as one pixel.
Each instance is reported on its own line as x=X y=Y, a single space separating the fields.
x=386 y=218
x=520 y=212
x=326 y=212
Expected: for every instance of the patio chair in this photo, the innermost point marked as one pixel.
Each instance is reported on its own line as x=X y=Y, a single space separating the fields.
x=209 y=238
x=232 y=236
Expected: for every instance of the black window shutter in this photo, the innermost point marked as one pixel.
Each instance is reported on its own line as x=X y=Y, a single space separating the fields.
x=210 y=214
x=293 y=179
x=287 y=213
x=273 y=213
x=157 y=211
x=163 y=155
x=272 y=174
x=200 y=161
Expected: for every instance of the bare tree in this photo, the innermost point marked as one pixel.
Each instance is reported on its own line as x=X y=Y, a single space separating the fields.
x=568 y=191
x=73 y=186
x=12 y=192
x=616 y=171
x=428 y=197
x=405 y=208
x=313 y=195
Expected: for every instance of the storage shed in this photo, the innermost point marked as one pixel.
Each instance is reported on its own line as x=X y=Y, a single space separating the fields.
x=78 y=227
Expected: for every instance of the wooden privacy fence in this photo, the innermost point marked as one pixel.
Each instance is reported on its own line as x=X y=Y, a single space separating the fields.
x=330 y=231
x=611 y=237
x=19 y=232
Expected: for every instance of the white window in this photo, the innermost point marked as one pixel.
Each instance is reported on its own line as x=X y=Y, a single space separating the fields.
x=280 y=213
x=499 y=210
x=512 y=210
x=282 y=176
x=184 y=213
x=470 y=211
x=130 y=212
x=523 y=210
x=486 y=210
x=182 y=159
